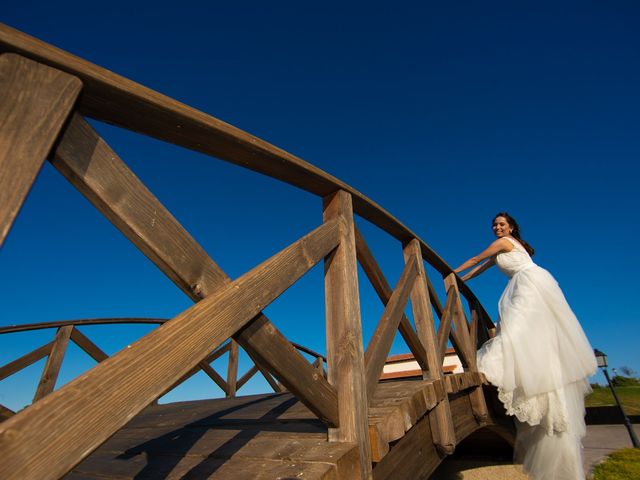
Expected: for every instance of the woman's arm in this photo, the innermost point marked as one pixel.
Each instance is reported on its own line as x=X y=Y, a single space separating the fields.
x=500 y=245
x=479 y=269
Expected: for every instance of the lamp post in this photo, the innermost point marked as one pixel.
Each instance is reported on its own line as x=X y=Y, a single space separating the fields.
x=601 y=358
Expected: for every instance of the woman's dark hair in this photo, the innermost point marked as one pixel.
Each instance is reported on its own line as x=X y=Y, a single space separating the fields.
x=515 y=233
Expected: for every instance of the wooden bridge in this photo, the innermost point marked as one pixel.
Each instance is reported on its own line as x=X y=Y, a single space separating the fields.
x=329 y=418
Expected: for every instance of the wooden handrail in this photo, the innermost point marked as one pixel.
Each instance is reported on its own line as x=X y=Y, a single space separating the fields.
x=109 y=97
x=118 y=388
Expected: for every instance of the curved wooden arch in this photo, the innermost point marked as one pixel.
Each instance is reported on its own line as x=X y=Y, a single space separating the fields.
x=117 y=100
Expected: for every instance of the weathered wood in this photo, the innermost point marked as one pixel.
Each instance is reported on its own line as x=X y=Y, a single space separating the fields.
x=5 y=413
x=87 y=345
x=444 y=329
x=381 y=286
x=24 y=361
x=473 y=328
x=442 y=427
x=289 y=366
x=382 y=338
x=468 y=350
x=78 y=323
x=54 y=362
x=215 y=376
x=465 y=348
x=345 y=355
x=232 y=369
x=247 y=376
x=414 y=456
x=35 y=100
x=47 y=441
x=88 y=163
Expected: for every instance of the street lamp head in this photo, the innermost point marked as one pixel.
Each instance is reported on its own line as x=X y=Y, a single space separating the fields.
x=601 y=358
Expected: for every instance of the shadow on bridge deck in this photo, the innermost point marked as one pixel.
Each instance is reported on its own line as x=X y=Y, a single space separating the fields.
x=273 y=436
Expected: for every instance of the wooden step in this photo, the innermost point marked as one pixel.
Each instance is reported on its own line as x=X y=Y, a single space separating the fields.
x=396 y=407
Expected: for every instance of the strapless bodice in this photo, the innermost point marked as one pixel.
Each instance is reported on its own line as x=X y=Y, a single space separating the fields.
x=514 y=261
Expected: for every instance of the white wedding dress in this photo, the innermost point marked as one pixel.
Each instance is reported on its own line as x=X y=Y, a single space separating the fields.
x=540 y=360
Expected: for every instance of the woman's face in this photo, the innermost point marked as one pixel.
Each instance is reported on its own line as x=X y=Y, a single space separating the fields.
x=501 y=227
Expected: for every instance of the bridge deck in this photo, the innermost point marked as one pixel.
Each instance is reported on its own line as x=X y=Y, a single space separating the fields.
x=258 y=436
x=262 y=436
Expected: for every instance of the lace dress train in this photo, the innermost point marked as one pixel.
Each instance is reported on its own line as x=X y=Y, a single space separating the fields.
x=540 y=361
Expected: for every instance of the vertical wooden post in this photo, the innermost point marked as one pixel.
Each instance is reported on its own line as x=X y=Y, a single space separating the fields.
x=442 y=430
x=54 y=362
x=35 y=101
x=232 y=369
x=345 y=353
x=478 y=402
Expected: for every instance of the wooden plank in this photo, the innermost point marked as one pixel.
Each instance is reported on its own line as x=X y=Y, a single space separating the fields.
x=80 y=322
x=468 y=347
x=35 y=100
x=442 y=428
x=87 y=345
x=379 y=442
x=5 y=413
x=232 y=369
x=473 y=328
x=444 y=329
x=215 y=376
x=88 y=163
x=459 y=319
x=47 y=441
x=382 y=288
x=382 y=338
x=247 y=376
x=119 y=101
x=24 y=361
x=54 y=362
x=289 y=366
x=345 y=355
x=414 y=456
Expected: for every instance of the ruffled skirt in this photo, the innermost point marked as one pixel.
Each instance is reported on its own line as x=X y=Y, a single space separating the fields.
x=540 y=360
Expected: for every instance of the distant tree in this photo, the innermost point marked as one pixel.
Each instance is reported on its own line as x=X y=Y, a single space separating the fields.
x=626 y=380
x=628 y=372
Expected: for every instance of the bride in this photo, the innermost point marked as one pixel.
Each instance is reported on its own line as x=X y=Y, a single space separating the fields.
x=540 y=358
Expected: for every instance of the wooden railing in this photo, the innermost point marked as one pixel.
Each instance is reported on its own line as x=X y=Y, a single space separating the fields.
x=46 y=93
x=68 y=330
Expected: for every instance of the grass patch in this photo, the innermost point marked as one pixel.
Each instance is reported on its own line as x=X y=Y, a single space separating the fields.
x=629 y=396
x=620 y=465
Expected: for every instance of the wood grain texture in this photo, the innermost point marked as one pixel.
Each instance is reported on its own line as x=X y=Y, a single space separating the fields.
x=5 y=413
x=382 y=338
x=295 y=373
x=87 y=345
x=464 y=348
x=468 y=349
x=35 y=100
x=110 y=394
x=88 y=163
x=232 y=369
x=54 y=362
x=444 y=329
x=215 y=376
x=442 y=425
x=381 y=286
x=345 y=355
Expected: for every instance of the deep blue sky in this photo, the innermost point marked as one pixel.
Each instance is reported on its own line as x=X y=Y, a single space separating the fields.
x=442 y=113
